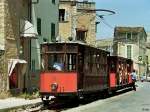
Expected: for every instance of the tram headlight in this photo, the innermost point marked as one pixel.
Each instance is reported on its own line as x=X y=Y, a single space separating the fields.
x=54 y=86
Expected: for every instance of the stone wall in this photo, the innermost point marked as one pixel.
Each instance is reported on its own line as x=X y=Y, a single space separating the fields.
x=87 y=21
x=78 y=19
x=11 y=11
x=3 y=78
x=65 y=27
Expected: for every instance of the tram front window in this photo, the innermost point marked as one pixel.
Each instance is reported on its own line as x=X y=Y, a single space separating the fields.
x=56 y=62
x=62 y=62
x=71 y=62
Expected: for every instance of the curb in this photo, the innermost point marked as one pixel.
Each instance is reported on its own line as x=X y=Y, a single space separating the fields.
x=21 y=107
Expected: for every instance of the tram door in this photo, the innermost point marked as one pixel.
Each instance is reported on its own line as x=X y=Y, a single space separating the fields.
x=129 y=70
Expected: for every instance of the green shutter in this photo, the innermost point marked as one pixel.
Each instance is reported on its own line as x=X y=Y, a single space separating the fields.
x=33 y=65
x=129 y=51
x=39 y=25
x=53 y=39
x=53 y=1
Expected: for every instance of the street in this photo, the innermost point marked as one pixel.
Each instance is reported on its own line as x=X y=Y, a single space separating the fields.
x=132 y=101
x=128 y=101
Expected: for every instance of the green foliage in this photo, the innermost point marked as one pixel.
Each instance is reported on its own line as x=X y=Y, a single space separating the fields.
x=29 y=96
x=4 y=95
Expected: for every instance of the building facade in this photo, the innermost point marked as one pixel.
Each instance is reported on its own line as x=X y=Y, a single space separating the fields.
x=77 y=21
x=129 y=42
x=45 y=19
x=148 y=54
x=14 y=44
x=105 y=44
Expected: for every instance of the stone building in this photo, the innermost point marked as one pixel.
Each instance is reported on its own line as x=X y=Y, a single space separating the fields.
x=129 y=42
x=2 y=56
x=148 y=53
x=77 y=21
x=45 y=19
x=105 y=44
x=15 y=41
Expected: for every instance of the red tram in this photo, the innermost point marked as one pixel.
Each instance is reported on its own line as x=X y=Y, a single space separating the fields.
x=119 y=72
x=77 y=70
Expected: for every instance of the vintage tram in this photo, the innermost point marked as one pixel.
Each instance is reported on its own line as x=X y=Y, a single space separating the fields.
x=76 y=70
x=119 y=73
x=72 y=69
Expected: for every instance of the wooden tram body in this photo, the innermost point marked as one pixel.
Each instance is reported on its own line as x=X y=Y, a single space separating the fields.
x=119 y=72
x=84 y=70
x=78 y=70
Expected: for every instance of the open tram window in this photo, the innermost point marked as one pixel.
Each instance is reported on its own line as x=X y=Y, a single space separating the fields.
x=71 y=62
x=56 y=62
x=129 y=66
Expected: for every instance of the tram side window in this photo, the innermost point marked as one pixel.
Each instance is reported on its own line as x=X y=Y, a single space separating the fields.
x=71 y=62
x=56 y=62
x=129 y=67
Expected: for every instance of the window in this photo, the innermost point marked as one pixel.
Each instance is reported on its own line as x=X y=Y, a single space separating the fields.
x=61 y=14
x=128 y=36
x=62 y=62
x=53 y=1
x=56 y=62
x=134 y=37
x=81 y=35
x=53 y=32
x=71 y=62
x=129 y=51
x=39 y=25
x=129 y=66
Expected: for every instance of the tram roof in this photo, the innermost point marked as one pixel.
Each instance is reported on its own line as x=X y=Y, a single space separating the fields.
x=77 y=43
x=119 y=57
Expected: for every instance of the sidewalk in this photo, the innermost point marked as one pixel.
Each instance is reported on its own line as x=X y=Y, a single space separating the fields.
x=16 y=102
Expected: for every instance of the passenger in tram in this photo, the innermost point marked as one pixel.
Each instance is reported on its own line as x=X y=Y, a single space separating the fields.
x=58 y=66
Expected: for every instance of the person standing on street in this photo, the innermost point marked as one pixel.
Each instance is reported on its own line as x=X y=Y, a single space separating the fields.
x=133 y=76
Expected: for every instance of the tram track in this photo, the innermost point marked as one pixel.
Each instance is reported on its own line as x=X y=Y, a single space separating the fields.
x=51 y=107
x=61 y=105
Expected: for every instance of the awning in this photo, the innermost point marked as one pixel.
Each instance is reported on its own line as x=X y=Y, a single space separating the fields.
x=27 y=29
x=12 y=64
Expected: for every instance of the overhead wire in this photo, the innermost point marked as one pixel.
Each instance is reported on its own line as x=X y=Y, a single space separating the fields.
x=101 y=18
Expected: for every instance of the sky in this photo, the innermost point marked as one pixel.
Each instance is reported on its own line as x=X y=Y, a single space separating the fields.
x=128 y=13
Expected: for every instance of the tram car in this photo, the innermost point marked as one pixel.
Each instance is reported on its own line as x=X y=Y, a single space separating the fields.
x=76 y=70
x=120 y=70
x=72 y=70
